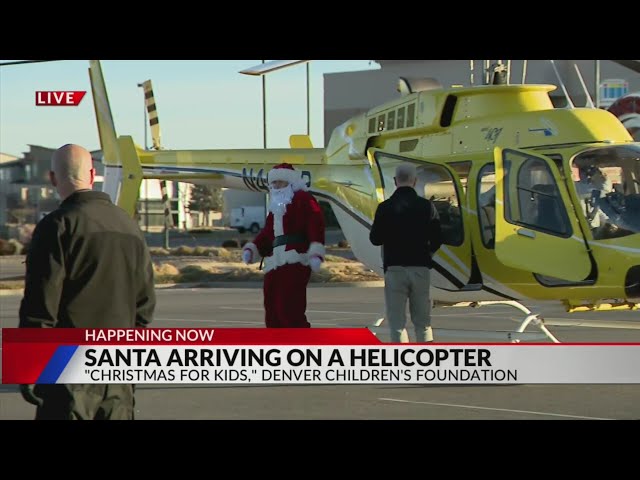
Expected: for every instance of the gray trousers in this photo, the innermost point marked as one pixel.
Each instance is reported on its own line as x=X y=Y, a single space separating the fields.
x=402 y=284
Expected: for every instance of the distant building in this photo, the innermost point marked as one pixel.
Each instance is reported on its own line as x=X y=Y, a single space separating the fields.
x=5 y=157
x=6 y=163
x=239 y=198
x=151 y=207
x=611 y=90
x=26 y=193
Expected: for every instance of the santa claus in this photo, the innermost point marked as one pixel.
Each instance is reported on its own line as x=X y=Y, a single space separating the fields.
x=292 y=245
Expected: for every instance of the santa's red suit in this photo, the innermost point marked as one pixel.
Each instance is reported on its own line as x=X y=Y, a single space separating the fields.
x=292 y=236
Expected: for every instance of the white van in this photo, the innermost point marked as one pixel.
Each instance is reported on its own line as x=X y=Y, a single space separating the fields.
x=247 y=218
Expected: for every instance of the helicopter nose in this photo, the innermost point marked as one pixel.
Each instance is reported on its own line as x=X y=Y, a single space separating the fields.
x=632 y=284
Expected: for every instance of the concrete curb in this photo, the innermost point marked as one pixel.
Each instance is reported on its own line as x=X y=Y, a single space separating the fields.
x=10 y=292
x=196 y=285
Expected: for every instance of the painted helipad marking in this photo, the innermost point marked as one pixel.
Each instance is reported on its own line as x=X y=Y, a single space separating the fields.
x=472 y=407
x=308 y=311
x=214 y=321
x=211 y=321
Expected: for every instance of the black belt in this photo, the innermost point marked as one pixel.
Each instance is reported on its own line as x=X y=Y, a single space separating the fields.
x=286 y=239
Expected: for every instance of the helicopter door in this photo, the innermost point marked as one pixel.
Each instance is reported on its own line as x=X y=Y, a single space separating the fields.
x=440 y=184
x=377 y=178
x=534 y=230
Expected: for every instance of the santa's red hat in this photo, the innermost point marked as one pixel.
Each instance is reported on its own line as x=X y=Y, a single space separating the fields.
x=285 y=172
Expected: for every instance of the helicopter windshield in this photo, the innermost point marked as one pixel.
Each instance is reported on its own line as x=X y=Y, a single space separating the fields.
x=607 y=183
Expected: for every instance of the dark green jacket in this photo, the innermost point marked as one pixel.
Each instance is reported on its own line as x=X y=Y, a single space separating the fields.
x=88 y=266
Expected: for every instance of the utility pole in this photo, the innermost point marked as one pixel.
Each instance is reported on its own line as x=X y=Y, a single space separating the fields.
x=146 y=193
x=264 y=110
x=264 y=132
x=262 y=70
x=308 y=101
x=597 y=85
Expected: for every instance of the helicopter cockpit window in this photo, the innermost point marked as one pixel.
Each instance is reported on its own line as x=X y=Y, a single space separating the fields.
x=535 y=202
x=607 y=184
x=436 y=184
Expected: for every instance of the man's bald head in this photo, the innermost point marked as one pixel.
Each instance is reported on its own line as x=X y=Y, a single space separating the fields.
x=72 y=169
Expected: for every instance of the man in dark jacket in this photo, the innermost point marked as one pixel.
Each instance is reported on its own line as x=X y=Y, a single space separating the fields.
x=408 y=229
x=88 y=266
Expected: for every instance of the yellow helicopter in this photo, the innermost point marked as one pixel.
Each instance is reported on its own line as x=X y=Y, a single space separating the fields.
x=536 y=203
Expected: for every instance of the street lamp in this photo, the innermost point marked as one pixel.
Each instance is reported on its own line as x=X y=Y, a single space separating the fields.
x=308 y=102
x=264 y=110
x=146 y=193
x=596 y=87
x=262 y=70
x=141 y=85
x=268 y=67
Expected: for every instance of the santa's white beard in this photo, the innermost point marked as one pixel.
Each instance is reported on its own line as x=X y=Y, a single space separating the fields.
x=279 y=199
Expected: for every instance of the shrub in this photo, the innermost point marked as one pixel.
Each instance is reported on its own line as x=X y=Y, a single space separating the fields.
x=182 y=250
x=25 y=232
x=18 y=248
x=230 y=244
x=7 y=247
x=201 y=251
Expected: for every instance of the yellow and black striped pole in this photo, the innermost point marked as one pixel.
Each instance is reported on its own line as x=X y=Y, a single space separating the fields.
x=168 y=219
x=154 y=124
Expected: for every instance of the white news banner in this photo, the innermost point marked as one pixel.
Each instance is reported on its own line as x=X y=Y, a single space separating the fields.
x=412 y=364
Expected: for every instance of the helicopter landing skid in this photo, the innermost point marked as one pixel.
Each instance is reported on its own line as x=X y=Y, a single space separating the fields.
x=512 y=336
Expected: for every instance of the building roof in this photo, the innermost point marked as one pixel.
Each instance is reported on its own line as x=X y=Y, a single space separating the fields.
x=5 y=157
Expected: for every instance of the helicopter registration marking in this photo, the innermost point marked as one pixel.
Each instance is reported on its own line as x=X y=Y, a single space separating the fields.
x=491 y=134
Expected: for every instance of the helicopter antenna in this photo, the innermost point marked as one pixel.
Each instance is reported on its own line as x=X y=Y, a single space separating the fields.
x=589 y=101
x=564 y=89
x=524 y=71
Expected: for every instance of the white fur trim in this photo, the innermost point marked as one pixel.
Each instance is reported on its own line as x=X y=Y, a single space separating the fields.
x=281 y=257
x=300 y=185
x=254 y=251
x=316 y=248
x=285 y=174
x=278 y=226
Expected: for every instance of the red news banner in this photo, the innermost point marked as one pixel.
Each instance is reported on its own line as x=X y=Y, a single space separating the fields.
x=249 y=356
x=59 y=98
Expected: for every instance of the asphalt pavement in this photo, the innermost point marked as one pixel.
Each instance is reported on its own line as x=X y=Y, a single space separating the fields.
x=360 y=307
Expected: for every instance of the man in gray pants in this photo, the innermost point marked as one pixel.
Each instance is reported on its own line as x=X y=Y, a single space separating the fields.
x=407 y=227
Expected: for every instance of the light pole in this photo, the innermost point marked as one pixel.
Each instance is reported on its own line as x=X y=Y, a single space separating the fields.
x=268 y=67
x=146 y=194
x=144 y=104
x=264 y=110
x=597 y=83
x=308 y=102
x=262 y=70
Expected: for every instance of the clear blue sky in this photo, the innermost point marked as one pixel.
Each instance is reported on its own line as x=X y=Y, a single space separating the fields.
x=201 y=103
